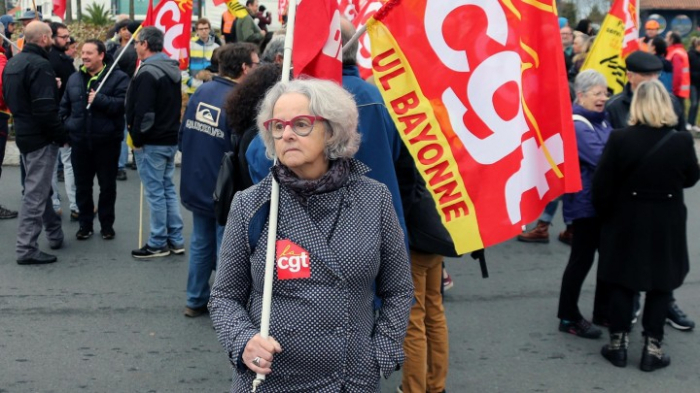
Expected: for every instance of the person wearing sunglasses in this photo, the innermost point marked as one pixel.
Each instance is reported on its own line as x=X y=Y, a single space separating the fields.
x=337 y=237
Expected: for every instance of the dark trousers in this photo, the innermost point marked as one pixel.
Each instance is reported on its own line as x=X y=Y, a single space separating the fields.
x=583 y=250
x=655 y=311
x=3 y=140
x=96 y=160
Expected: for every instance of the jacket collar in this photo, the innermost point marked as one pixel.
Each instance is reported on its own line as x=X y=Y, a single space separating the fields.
x=157 y=56
x=226 y=81
x=592 y=116
x=36 y=49
x=357 y=170
x=627 y=93
x=351 y=70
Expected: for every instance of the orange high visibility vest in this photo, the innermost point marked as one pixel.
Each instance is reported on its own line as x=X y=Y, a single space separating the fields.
x=228 y=22
x=683 y=90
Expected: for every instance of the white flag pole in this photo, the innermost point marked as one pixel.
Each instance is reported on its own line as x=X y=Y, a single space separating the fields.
x=109 y=72
x=274 y=201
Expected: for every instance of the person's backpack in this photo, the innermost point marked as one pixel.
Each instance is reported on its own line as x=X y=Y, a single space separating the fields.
x=226 y=184
x=233 y=174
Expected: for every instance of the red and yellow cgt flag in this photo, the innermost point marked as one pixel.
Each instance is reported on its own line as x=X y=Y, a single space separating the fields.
x=479 y=94
x=617 y=38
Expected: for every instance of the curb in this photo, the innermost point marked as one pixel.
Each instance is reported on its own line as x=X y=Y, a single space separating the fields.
x=12 y=155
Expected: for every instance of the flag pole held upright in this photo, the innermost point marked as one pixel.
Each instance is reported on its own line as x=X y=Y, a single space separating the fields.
x=114 y=64
x=274 y=203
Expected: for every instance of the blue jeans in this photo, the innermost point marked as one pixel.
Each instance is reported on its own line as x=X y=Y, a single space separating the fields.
x=204 y=253
x=550 y=210
x=124 y=156
x=156 y=165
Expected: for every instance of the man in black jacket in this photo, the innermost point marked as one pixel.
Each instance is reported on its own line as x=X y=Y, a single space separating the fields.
x=641 y=67
x=95 y=134
x=31 y=92
x=153 y=120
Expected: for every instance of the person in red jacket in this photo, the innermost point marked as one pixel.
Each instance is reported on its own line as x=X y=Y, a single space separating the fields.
x=4 y=116
x=678 y=56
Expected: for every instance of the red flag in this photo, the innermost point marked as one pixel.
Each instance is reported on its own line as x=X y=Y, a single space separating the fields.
x=150 y=16
x=59 y=8
x=282 y=9
x=317 y=41
x=483 y=107
x=349 y=9
x=174 y=19
x=219 y=2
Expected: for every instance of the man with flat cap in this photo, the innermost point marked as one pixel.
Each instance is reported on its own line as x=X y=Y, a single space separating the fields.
x=641 y=67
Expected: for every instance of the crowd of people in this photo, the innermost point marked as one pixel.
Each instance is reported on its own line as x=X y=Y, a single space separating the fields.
x=636 y=155
x=364 y=243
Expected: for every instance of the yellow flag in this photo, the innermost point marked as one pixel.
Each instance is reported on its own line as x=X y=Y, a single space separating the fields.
x=617 y=38
x=235 y=8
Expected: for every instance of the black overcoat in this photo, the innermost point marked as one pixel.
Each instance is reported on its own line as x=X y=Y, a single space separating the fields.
x=643 y=242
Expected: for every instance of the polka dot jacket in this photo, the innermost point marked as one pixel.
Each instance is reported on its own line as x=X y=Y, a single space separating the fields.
x=332 y=340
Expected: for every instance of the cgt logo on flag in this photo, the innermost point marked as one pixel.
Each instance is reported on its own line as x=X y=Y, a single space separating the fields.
x=292 y=261
x=173 y=18
x=482 y=107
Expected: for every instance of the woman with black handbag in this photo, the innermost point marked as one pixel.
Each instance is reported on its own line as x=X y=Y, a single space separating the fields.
x=638 y=193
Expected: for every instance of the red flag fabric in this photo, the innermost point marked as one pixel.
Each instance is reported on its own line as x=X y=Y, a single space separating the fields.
x=174 y=19
x=282 y=9
x=59 y=8
x=219 y=2
x=364 y=50
x=483 y=107
x=349 y=8
x=317 y=41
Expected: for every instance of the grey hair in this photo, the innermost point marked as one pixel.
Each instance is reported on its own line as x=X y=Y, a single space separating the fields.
x=347 y=30
x=154 y=37
x=274 y=47
x=589 y=79
x=326 y=99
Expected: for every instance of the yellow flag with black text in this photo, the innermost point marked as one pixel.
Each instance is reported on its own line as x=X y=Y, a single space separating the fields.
x=617 y=38
x=236 y=9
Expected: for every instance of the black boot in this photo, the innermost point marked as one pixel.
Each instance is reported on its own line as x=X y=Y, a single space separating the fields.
x=616 y=351
x=653 y=357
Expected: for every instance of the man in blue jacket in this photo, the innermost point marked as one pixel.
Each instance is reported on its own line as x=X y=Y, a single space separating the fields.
x=204 y=138
x=96 y=135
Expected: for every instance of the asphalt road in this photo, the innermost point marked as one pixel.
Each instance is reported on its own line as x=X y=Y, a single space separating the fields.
x=100 y=321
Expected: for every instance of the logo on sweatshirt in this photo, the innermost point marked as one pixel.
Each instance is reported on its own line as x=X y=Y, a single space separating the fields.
x=292 y=261
x=208 y=114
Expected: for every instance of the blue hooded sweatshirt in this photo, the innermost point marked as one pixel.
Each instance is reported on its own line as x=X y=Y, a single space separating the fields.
x=590 y=143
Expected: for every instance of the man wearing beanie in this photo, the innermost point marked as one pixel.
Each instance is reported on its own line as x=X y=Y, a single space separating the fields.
x=641 y=67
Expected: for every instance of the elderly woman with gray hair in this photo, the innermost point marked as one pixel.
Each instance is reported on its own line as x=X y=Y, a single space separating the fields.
x=337 y=238
x=592 y=132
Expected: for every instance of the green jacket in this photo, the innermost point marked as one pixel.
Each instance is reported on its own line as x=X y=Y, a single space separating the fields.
x=247 y=30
